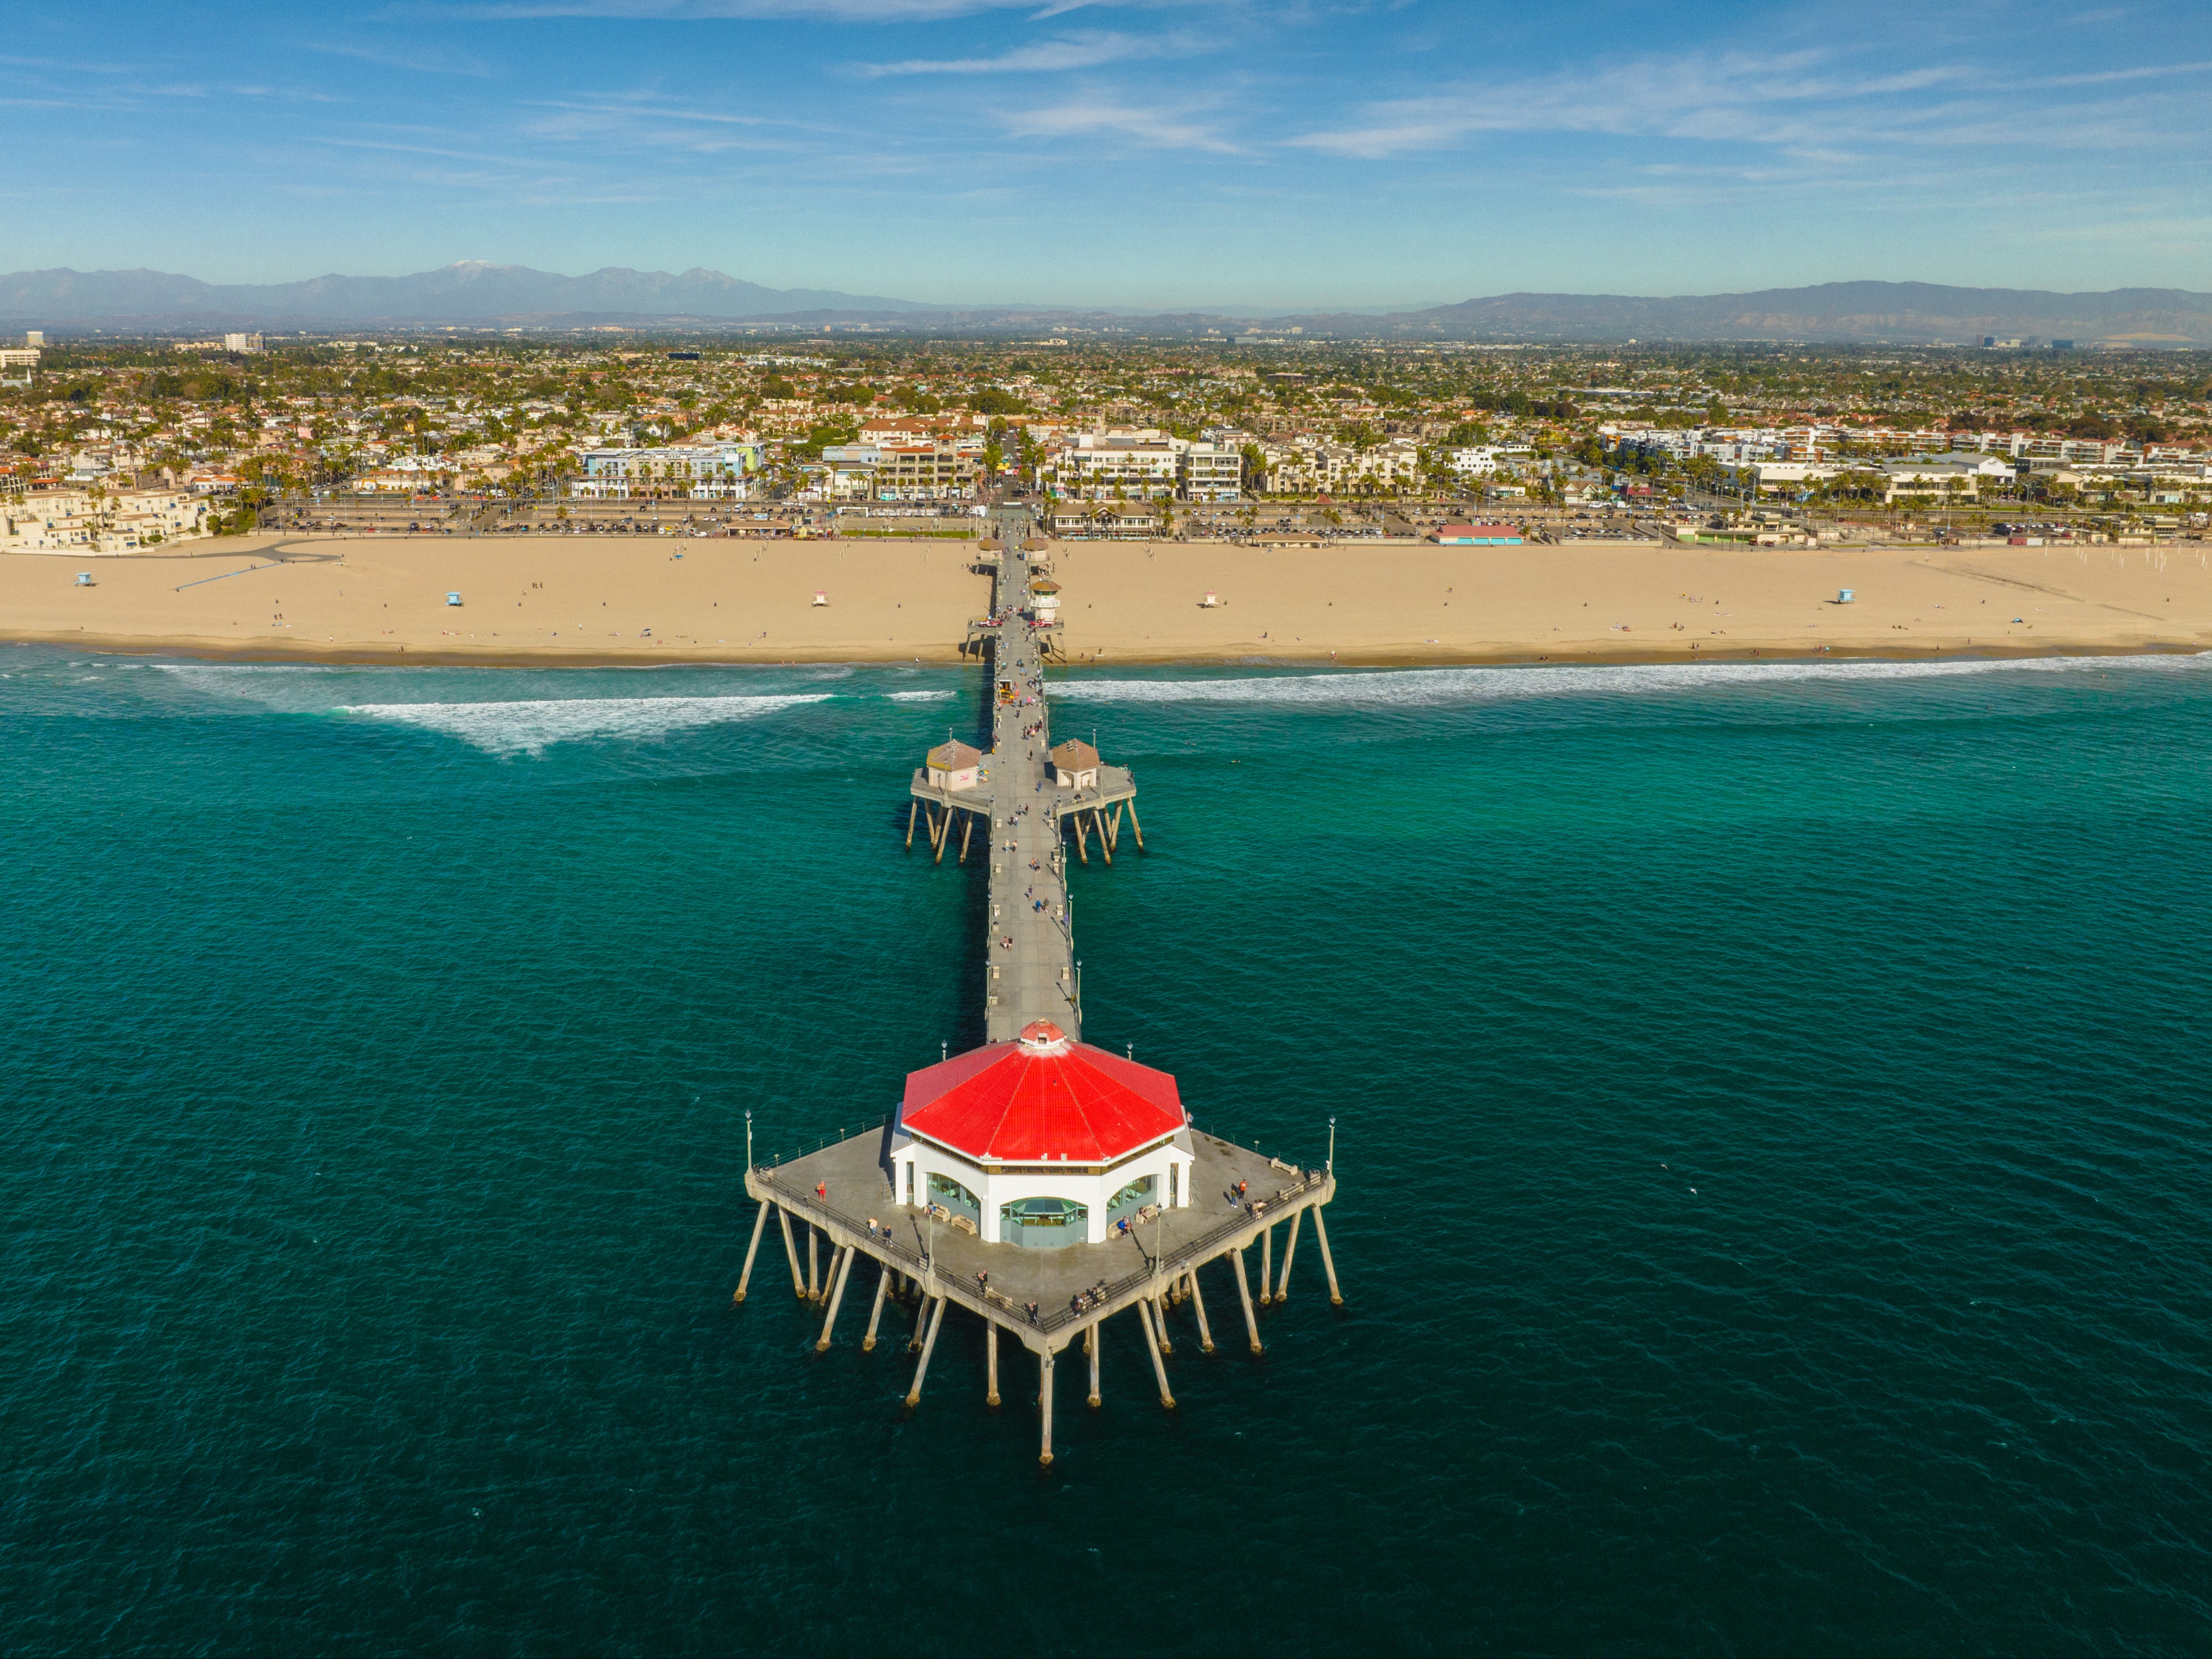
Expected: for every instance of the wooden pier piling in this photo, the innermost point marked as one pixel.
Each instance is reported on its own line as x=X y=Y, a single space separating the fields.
x=876 y=1311
x=1266 y=1260
x=760 y=1226
x=1244 y=1295
x=1328 y=1266
x=1044 y=1406
x=841 y=1265
x=1152 y=1346
x=1290 y=1252
x=798 y=1279
x=991 y=1364
x=1198 y=1302
x=1091 y=1343
x=928 y=1347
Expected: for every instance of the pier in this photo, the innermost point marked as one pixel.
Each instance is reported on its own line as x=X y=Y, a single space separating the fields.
x=1037 y=1183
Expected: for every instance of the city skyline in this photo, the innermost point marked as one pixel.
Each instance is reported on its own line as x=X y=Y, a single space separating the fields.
x=1139 y=155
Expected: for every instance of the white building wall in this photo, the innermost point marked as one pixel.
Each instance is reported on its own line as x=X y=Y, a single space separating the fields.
x=914 y=1161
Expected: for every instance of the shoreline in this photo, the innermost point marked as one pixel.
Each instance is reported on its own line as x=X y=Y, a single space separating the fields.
x=347 y=658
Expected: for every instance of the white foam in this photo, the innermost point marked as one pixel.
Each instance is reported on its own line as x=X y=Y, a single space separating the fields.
x=1428 y=687
x=517 y=728
x=920 y=696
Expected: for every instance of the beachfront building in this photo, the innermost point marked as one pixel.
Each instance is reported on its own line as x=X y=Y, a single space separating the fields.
x=715 y=471
x=1044 y=599
x=1109 y=521
x=1476 y=534
x=1937 y=480
x=901 y=470
x=1208 y=472
x=954 y=765
x=1091 y=465
x=1040 y=1142
x=69 y=521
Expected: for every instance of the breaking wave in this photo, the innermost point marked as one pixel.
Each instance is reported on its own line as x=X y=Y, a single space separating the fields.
x=1420 y=686
x=520 y=728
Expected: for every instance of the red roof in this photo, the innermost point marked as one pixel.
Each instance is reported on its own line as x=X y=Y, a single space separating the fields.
x=1041 y=1096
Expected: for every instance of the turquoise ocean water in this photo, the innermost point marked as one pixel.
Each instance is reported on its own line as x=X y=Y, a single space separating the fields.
x=1772 y=1126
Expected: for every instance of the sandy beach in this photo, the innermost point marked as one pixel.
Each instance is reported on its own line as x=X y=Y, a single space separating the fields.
x=571 y=599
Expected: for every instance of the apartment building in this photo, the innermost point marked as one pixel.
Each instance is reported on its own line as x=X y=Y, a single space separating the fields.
x=1093 y=464
x=907 y=470
x=1208 y=472
x=1307 y=466
x=89 y=521
x=697 y=471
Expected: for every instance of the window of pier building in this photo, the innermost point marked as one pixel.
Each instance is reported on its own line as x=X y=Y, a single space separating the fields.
x=1131 y=1199
x=943 y=1190
x=1043 y=1224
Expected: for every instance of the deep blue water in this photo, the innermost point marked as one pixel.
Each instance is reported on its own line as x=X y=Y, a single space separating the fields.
x=1772 y=1134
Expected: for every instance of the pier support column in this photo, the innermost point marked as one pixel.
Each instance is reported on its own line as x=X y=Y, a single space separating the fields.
x=790 y=1249
x=813 y=1262
x=928 y=1347
x=1244 y=1295
x=1044 y=1406
x=1098 y=822
x=1091 y=1342
x=1328 y=1265
x=1160 y=1323
x=944 y=834
x=1137 y=827
x=1266 y=1260
x=841 y=1267
x=875 y=1313
x=967 y=828
x=760 y=1226
x=1082 y=852
x=1290 y=1254
x=1153 y=1344
x=912 y=809
x=1198 y=1302
x=991 y=1364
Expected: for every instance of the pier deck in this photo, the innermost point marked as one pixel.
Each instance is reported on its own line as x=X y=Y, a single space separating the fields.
x=1031 y=973
x=1139 y=1266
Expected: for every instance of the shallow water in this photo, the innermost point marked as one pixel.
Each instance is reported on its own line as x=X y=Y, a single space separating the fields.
x=1771 y=1120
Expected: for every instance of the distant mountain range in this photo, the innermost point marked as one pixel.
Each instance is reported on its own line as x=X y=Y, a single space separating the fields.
x=1835 y=311
x=475 y=293
x=470 y=292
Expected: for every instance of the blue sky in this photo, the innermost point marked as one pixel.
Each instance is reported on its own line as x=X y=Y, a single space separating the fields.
x=1142 y=155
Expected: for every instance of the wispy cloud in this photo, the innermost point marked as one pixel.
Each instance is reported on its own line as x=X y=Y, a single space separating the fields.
x=1084 y=50
x=834 y=11
x=1793 y=101
x=1087 y=116
x=401 y=57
